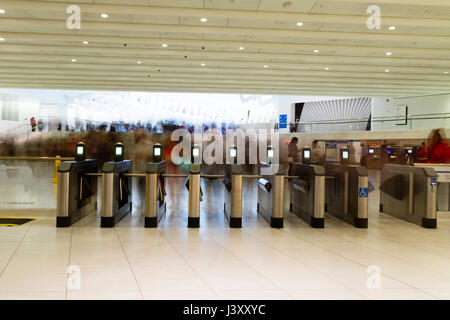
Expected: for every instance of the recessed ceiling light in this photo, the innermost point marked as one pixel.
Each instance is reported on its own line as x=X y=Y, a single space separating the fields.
x=299 y=24
x=164 y=45
x=316 y=51
x=85 y=42
x=327 y=68
x=74 y=60
x=392 y=28
x=2 y=39
x=2 y=11
x=203 y=19
x=241 y=48
x=203 y=64
x=139 y=62
x=389 y=53
x=104 y=15
x=387 y=70
x=446 y=72
x=266 y=66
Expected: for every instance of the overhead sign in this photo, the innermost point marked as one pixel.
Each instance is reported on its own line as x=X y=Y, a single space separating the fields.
x=283 y=121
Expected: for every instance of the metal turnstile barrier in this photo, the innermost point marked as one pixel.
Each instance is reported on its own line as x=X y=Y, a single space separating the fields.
x=195 y=196
x=409 y=193
x=76 y=195
x=116 y=192
x=346 y=194
x=443 y=187
x=233 y=195
x=308 y=193
x=155 y=205
x=271 y=195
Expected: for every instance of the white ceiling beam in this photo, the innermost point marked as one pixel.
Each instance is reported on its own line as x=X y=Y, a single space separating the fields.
x=250 y=15
x=244 y=82
x=219 y=71
x=36 y=38
x=41 y=69
x=216 y=55
x=161 y=63
x=193 y=85
x=420 y=3
x=59 y=26
x=119 y=88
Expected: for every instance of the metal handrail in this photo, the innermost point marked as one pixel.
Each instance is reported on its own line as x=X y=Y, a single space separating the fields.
x=37 y=158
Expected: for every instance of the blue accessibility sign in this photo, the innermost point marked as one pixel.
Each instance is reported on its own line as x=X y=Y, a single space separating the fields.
x=363 y=192
x=433 y=182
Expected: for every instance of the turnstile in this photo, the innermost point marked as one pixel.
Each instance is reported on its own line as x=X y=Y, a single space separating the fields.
x=195 y=196
x=308 y=193
x=347 y=192
x=116 y=192
x=271 y=194
x=155 y=205
x=76 y=195
x=409 y=193
x=233 y=195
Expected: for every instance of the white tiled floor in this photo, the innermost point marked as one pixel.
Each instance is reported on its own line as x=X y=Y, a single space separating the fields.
x=215 y=262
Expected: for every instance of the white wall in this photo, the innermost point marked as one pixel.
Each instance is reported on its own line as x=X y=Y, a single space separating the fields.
x=424 y=105
x=286 y=105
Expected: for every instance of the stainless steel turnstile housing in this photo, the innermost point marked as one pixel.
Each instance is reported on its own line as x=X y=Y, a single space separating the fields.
x=271 y=194
x=155 y=205
x=195 y=196
x=116 y=192
x=308 y=193
x=409 y=193
x=347 y=192
x=233 y=195
x=76 y=195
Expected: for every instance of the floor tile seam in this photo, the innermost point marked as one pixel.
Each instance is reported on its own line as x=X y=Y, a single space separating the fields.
x=129 y=264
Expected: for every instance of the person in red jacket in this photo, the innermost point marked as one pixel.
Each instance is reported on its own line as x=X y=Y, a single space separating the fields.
x=422 y=155
x=439 y=151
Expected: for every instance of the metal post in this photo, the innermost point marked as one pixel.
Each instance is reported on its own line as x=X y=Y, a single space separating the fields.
x=151 y=200
x=107 y=195
x=236 y=201
x=317 y=220
x=278 y=201
x=194 y=196
x=430 y=219
x=361 y=220
x=62 y=200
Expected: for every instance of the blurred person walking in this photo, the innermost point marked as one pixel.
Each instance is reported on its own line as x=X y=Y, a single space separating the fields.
x=292 y=154
x=422 y=154
x=33 y=124
x=439 y=151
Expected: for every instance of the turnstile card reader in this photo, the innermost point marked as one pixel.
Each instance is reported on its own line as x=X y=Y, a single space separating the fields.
x=308 y=193
x=233 y=195
x=155 y=205
x=116 y=192
x=271 y=195
x=76 y=195
x=344 y=156
x=409 y=193
x=347 y=192
x=119 y=151
x=157 y=153
x=306 y=155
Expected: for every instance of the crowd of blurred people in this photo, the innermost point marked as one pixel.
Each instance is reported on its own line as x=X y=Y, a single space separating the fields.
x=163 y=126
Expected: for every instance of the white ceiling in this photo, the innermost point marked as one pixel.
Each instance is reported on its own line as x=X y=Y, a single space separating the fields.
x=38 y=49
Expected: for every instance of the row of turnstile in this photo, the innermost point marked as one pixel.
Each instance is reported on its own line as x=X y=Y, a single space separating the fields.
x=342 y=190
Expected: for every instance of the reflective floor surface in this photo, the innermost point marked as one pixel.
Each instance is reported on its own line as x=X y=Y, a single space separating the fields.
x=216 y=262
